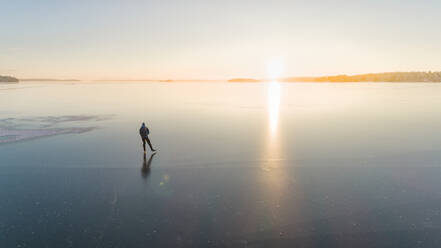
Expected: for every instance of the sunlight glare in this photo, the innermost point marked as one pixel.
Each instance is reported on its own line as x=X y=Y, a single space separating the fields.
x=274 y=69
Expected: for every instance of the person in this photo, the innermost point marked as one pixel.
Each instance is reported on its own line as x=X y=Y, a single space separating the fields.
x=144 y=132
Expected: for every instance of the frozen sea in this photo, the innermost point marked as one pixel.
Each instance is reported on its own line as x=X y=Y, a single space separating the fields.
x=239 y=165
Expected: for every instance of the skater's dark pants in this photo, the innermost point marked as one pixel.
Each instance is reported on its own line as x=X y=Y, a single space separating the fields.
x=146 y=139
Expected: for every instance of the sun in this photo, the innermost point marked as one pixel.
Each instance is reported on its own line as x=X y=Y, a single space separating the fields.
x=274 y=68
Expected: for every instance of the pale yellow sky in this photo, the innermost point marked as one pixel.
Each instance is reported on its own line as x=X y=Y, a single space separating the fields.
x=216 y=40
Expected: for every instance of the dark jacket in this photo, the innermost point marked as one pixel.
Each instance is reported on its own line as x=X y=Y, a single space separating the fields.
x=144 y=131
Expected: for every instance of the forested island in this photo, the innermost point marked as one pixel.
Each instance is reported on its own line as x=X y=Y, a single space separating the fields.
x=244 y=80
x=373 y=77
x=8 y=79
x=414 y=77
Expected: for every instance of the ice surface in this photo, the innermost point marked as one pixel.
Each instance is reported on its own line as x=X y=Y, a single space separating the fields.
x=7 y=136
x=255 y=165
x=17 y=129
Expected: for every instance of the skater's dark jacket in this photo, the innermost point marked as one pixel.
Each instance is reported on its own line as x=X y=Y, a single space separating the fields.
x=144 y=131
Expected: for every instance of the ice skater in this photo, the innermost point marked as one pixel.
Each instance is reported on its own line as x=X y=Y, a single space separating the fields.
x=144 y=132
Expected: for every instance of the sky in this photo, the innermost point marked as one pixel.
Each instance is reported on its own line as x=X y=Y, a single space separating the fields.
x=203 y=39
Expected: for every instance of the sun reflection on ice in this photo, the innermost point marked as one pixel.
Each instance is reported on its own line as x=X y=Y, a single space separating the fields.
x=273 y=178
x=273 y=106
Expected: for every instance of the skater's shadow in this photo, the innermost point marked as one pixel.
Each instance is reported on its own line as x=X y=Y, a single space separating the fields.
x=145 y=170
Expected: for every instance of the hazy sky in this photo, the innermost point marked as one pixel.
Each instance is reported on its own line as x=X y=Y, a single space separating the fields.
x=216 y=39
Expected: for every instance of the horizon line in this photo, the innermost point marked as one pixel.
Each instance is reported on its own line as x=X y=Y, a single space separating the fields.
x=212 y=80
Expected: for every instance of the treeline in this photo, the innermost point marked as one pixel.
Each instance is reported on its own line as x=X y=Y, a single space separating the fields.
x=374 y=77
x=8 y=79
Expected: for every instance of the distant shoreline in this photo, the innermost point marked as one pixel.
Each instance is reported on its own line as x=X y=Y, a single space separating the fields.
x=244 y=80
x=385 y=77
x=8 y=79
x=48 y=80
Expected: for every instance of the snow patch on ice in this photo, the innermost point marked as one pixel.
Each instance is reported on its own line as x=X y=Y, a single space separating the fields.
x=20 y=129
